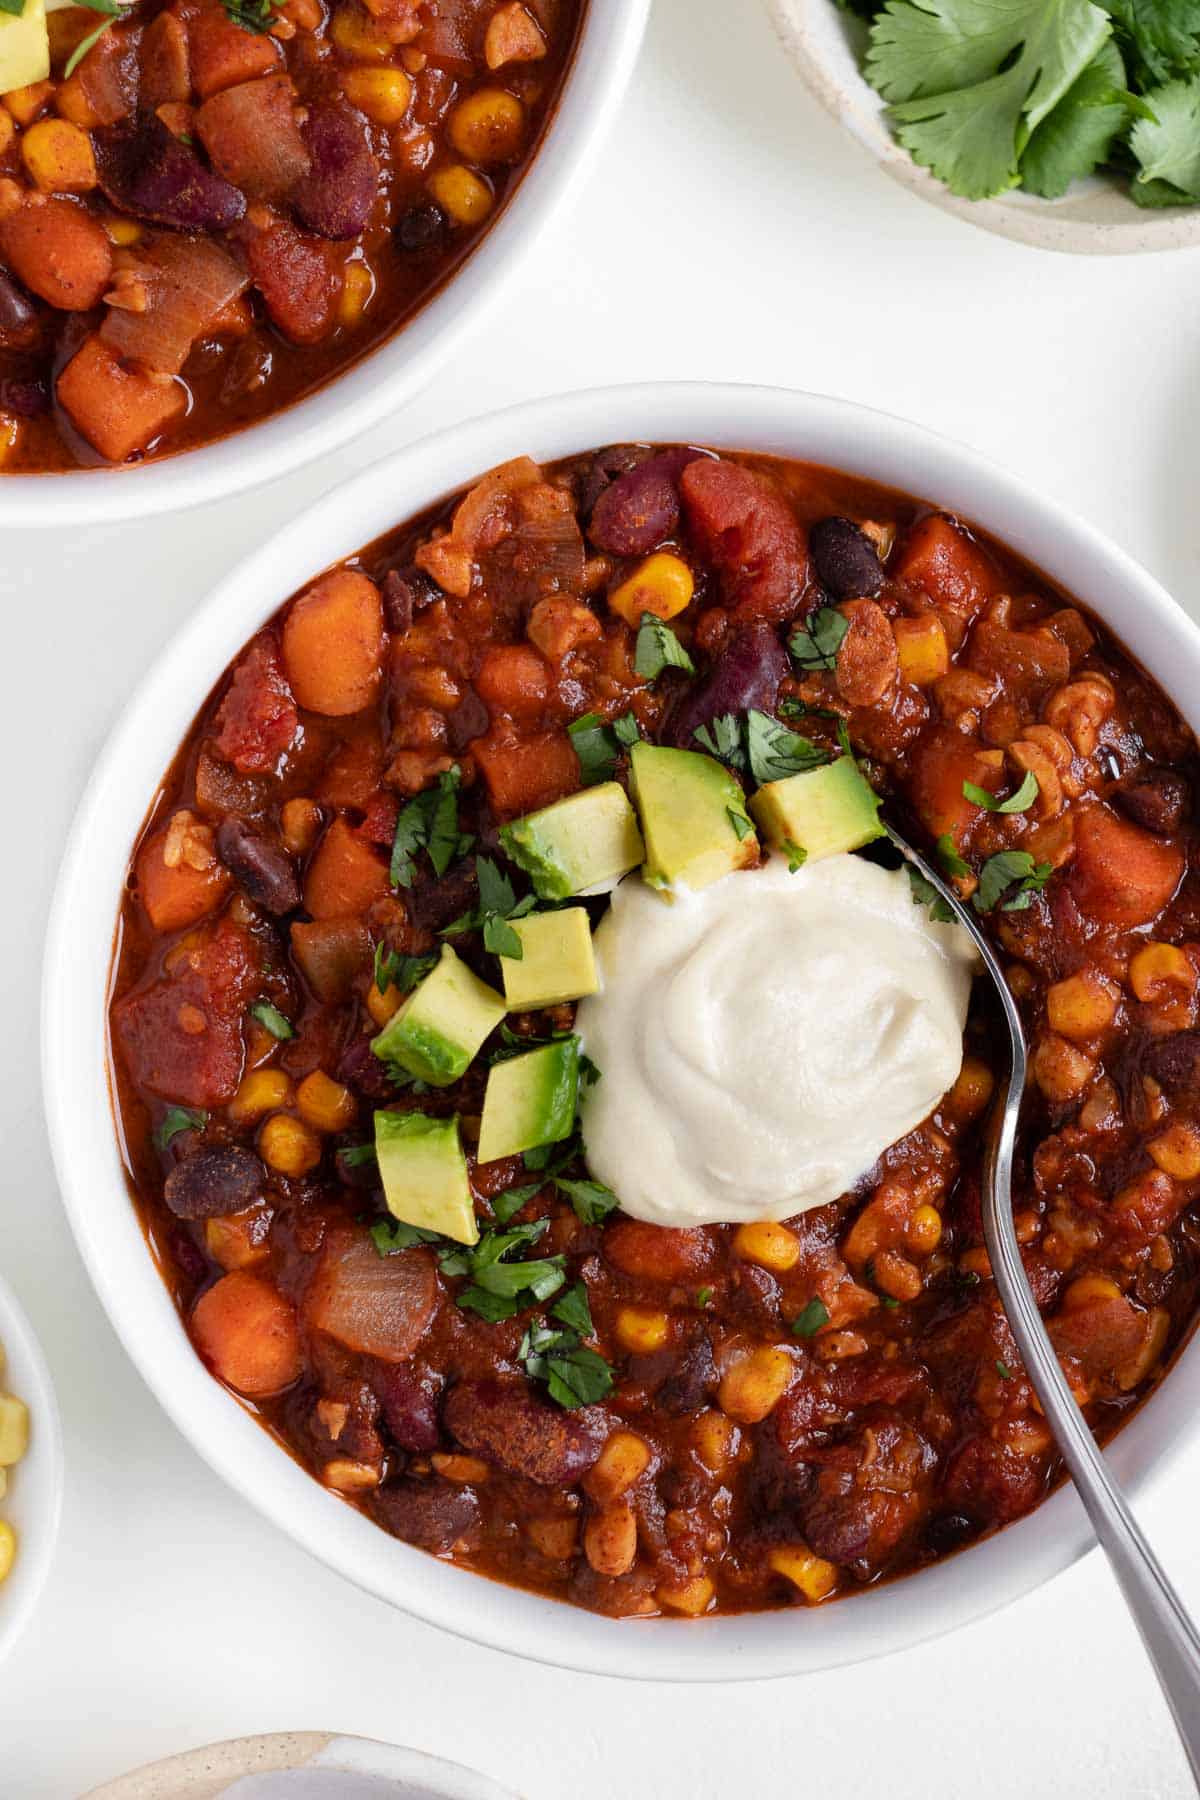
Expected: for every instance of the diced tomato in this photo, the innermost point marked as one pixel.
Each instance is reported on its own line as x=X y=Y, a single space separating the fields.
x=181 y=1035
x=258 y=720
x=299 y=279
x=522 y=776
x=745 y=525
x=660 y=1252
x=379 y=822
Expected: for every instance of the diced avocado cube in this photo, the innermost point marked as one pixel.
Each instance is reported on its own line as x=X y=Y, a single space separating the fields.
x=442 y=1023
x=557 y=961
x=424 y=1173
x=24 y=47
x=580 y=842
x=693 y=816
x=530 y=1100
x=824 y=811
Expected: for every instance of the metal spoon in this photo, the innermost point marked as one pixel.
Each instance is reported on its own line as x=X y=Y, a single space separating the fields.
x=1168 y=1633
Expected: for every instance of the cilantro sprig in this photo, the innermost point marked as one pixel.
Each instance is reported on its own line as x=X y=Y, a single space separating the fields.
x=429 y=822
x=498 y=904
x=574 y=1373
x=657 y=648
x=1010 y=879
x=816 y=645
x=1019 y=802
x=401 y=972
x=759 y=743
x=177 y=1119
x=598 y=746
x=272 y=1020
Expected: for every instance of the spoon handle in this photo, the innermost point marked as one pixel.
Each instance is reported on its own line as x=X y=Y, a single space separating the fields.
x=1168 y=1633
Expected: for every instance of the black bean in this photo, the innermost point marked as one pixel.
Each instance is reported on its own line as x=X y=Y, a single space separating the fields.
x=212 y=1182
x=746 y=674
x=845 y=559
x=1174 y=1062
x=1157 y=800
x=421 y=228
x=434 y=901
x=259 y=864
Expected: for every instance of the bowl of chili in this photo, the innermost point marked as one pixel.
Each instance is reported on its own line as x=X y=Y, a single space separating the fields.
x=229 y=242
x=786 y=462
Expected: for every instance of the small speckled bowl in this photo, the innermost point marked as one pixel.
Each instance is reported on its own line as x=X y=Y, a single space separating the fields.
x=1096 y=217
x=302 y=1765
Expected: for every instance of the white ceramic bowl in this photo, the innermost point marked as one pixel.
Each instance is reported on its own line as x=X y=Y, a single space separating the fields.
x=33 y=1503
x=1095 y=217
x=302 y=1765
x=79 y=946
x=381 y=383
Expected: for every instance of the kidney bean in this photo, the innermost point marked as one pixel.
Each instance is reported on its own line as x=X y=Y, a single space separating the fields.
x=146 y=171
x=1159 y=800
x=335 y=198
x=410 y=1407
x=259 y=864
x=691 y=1381
x=18 y=315
x=640 y=508
x=604 y=468
x=434 y=1515
x=25 y=398
x=746 y=674
x=503 y=1421
x=846 y=561
x=220 y=1180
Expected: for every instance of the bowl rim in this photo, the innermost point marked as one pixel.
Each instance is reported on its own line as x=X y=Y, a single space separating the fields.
x=229 y=1761
x=815 y=428
x=382 y=381
x=27 y=1375
x=829 y=67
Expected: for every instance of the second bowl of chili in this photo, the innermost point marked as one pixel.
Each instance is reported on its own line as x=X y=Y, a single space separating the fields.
x=763 y=424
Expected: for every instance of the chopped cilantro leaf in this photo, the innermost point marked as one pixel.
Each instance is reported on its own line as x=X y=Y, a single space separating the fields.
x=573 y=1310
x=598 y=745
x=775 y=752
x=574 y=1374
x=796 y=855
x=1003 y=1370
x=177 y=1119
x=1081 y=130
x=256 y=16
x=810 y=1319
x=357 y=1155
x=658 y=648
x=627 y=729
x=272 y=1020
x=1167 y=147
x=591 y=1200
x=741 y=824
x=392 y=1235
x=816 y=645
x=723 y=738
x=1159 y=38
x=925 y=894
x=401 y=972
x=703 y=1296
x=949 y=858
x=1011 y=872
x=429 y=822
x=507 y=1205
x=1019 y=802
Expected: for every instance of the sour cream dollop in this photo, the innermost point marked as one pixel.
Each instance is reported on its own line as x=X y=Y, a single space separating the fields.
x=761 y=1042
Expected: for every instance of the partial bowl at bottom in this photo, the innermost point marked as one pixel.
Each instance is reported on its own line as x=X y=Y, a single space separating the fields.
x=33 y=1501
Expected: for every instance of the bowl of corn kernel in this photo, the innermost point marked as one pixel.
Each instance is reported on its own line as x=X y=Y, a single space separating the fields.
x=31 y=1464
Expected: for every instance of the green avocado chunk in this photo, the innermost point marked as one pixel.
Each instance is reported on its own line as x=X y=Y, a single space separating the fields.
x=693 y=815
x=424 y=1173
x=557 y=961
x=530 y=1100
x=441 y=1025
x=588 y=838
x=824 y=811
x=24 y=46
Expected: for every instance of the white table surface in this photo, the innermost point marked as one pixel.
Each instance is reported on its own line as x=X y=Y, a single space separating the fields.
x=732 y=233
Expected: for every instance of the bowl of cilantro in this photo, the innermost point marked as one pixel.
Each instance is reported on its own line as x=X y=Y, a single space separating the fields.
x=1065 y=124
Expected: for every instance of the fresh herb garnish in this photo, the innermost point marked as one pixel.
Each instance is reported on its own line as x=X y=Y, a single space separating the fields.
x=925 y=894
x=574 y=1374
x=796 y=855
x=358 y=1155
x=272 y=1020
x=1019 y=802
x=775 y=752
x=598 y=745
x=392 y=1235
x=498 y=904
x=257 y=16
x=401 y=972
x=741 y=824
x=429 y=822
x=810 y=1320
x=507 y=1205
x=591 y=1200
x=573 y=1310
x=949 y=858
x=1003 y=1370
x=703 y=1296
x=85 y=43
x=177 y=1119
x=498 y=1288
x=1011 y=872
x=658 y=648
x=724 y=738
x=816 y=645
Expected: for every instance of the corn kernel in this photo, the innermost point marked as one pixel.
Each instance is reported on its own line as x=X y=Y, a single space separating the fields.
x=1083 y=1005
x=1161 y=972
x=3 y=1483
x=465 y=196
x=555 y=1538
x=691 y=1597
x=58 y=156
x=385 y=1006
x=1060 y=1070
x=1087 y=1289
x=751 y=1388
x=640 y=1329
x=1177 y=1152
x=771 y=1246
x=124 y=233
x=610 y=1540
x=463 y=1469
x=325 y=1104
x=714 y=1440
x=358 y=285
x=350 y=1477
x=812 y=1575
x=8 y=1549
x=624 y=1458
x=356 y=34
x=260 y=1092
x=895 y=1276
x=923 y=1233
x=488 y=126
x=924 y=653
x=14 y=1429
x=662 y=585
x=383 y=94
x=973 y=1089
x=26 y=103
x=299 y=823
x=238 y=1240
x=289 y=1146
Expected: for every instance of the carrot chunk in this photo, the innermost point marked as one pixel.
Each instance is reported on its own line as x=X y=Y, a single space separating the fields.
x=60 y=252
x=514 y=678
x=941 y=562
x=245 y=1329
x=345 y=875
x=333 y=644
x=1121 y=875
x=117 y=408
x=523 y=776
x=179 y=877
x=223 y=54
